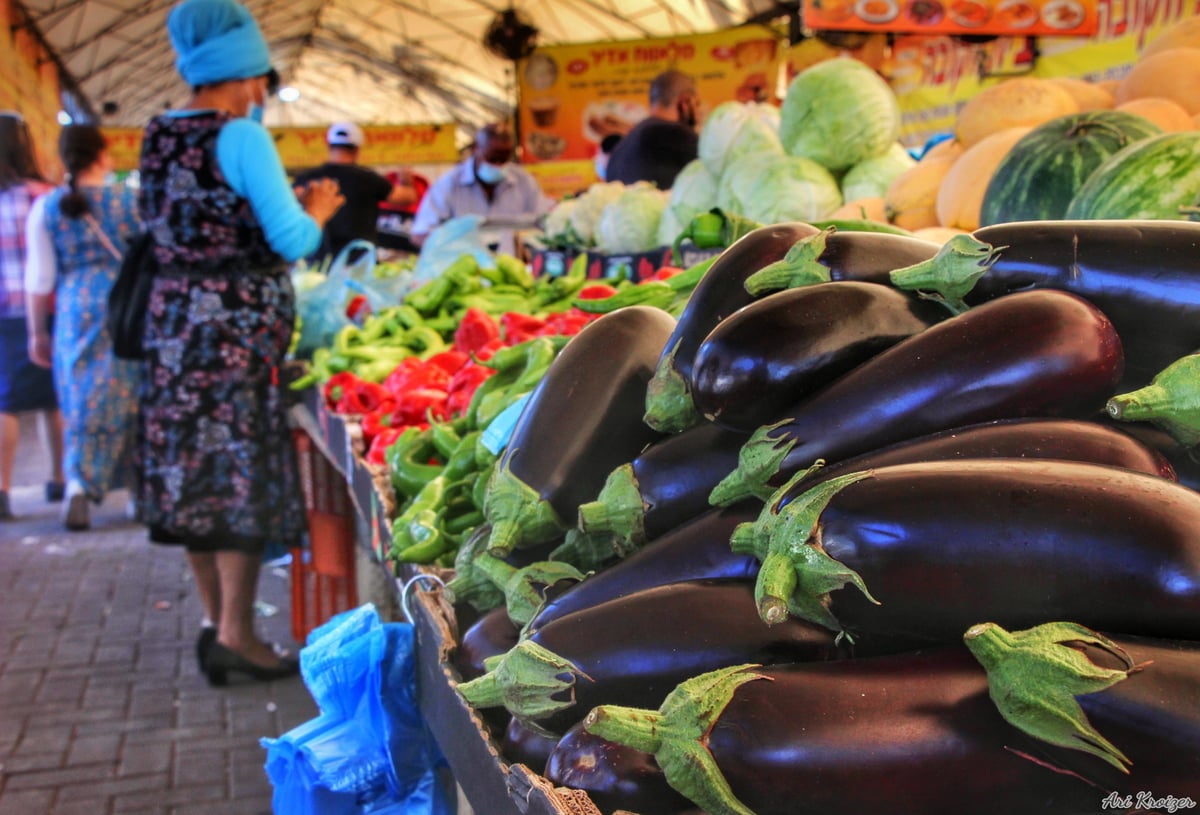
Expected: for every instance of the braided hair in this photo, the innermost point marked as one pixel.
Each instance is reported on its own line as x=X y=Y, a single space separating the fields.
x=79 y=147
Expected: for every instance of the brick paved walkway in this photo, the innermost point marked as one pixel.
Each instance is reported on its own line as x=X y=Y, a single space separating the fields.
x=102 y=710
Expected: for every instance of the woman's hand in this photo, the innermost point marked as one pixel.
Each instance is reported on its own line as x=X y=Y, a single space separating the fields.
x=321 y=199
x=40 y=348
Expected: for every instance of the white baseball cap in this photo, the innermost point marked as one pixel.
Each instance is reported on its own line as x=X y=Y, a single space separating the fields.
x=346 y=134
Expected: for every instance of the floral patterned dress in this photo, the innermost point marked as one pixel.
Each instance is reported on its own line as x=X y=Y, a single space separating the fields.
x=97 y=392
x=218 y=464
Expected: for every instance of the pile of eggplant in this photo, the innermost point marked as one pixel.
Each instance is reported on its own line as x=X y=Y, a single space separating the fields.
x=875 y=526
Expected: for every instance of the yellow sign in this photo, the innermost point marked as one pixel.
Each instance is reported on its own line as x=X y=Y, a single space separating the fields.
x=559 y=179
x=301 y=147
x=573 y=96
x=1023 y=18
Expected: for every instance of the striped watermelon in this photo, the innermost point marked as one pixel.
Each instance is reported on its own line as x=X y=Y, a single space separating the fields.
x=1041 y=174
x=1157 y=178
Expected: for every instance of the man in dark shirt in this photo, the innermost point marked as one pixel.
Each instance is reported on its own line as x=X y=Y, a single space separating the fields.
x=659 y=146
x=363 y=188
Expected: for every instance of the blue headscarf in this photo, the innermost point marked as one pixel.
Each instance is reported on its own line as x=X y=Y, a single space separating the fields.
x=215 y=41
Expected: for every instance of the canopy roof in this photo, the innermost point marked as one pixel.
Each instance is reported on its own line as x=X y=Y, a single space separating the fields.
x=370 y=61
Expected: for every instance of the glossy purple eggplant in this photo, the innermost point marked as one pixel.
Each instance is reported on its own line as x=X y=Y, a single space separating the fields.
x=614 y=776
x=719 y=293
x=1040 y=353
x=582 y=420
x=770 y=354
x=917 y=734
x=634 y=649
x=1143 y=274
x=493 y=634
x=667 y=485
x=941 y=545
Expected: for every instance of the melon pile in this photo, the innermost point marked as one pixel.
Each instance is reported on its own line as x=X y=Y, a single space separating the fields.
x=1044 y=149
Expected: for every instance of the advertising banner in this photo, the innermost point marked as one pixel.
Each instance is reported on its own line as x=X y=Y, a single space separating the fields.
x=302 y=147
x=999 y=17
x=572 y=96
x=935 y=76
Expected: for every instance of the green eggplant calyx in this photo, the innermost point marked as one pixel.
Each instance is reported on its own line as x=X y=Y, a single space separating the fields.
x=519 y=516
x=586 y=552
x=1034 y=676
x=801 y=266
x=522 y=594
x=790 y=532
x=1171 y=401
x=677 y=735
x=619 y=509
x=470 y=584
x=745 y=540
x=669 y=405
x=951 y=273
x=524 y=681
x=758 y=462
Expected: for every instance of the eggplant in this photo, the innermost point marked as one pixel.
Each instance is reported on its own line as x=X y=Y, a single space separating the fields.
x=696 y=550
x=667 y=485
x=634 y=649
x=492 y=635
x=834 y=255
x=722 y=291
x=614 y=776
x=526 y=745
x=1145 y=275
x=1039 y=353
x=913 y=734
x=766 y=356
x=941 y=545
x=582 y=420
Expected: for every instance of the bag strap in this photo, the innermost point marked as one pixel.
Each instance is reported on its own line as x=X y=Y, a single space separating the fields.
x=104 y=239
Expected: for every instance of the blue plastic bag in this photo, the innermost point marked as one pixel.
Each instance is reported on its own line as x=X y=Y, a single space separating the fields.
x=450 y=241
x=369 y=750
x=322 y=307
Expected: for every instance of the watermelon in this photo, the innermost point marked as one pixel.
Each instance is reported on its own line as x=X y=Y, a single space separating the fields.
x=1156 y=178
x=1042 y=172
x=838 y=113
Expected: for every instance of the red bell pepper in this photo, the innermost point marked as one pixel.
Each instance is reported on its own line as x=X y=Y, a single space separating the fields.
x=596 y=291
x=380 y=443
x=449 y=361
x=517 y=327
x=463 y=385
x=475 y=330
x=418 y=405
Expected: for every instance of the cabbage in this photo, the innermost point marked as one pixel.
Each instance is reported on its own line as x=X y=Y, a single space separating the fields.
x=736 y=186
x=694 y=191
x=557 y=226
x=736 y=129
x=838 y=113
x=791 y=188
x=630 y=224
x=585 y=216
x=669 y=227
x=872 y=177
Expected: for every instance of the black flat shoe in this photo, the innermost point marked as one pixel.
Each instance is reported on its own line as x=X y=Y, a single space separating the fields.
x=204 y=643
x=55 y=491
x=221 y=661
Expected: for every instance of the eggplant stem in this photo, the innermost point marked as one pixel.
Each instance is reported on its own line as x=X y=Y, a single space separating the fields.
x=669 y=405
x=523 y=598
x=1171 y=401
x=1035 y=675
x=619 y=509
x=949 y=276
x=759 y=461
x=524 y=681
x=584 y=551
x=800 y=267
x=518 y=515
x=677 y=735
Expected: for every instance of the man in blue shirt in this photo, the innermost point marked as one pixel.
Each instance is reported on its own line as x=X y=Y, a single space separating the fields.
x=488 y=183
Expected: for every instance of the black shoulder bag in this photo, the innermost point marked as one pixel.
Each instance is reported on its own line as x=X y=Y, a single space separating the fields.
x=130 y=298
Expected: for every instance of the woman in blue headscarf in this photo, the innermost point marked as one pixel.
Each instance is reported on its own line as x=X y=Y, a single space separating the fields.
x=219 y=470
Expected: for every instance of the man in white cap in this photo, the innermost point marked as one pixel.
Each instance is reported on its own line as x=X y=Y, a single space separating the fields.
x=363 y=188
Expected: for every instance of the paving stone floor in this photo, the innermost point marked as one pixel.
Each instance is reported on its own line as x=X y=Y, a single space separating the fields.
x=102 y=709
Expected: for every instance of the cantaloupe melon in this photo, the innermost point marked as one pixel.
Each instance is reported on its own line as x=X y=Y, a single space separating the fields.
x=1171 y=74
x=960 y=198
x=1088 y=95
x=1020 y=102
x=938 y=234
x=870 y=209
x=1183 y=34
x=1168 y=114
x=911 y=200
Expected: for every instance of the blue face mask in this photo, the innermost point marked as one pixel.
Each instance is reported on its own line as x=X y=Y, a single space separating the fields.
x=489 y=173
x=255 y=113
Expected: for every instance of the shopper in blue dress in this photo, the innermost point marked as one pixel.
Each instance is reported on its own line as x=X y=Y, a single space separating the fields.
x=75 y=237
x=219 y=470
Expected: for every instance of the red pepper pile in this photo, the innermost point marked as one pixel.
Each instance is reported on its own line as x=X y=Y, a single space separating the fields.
x=440 y=387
